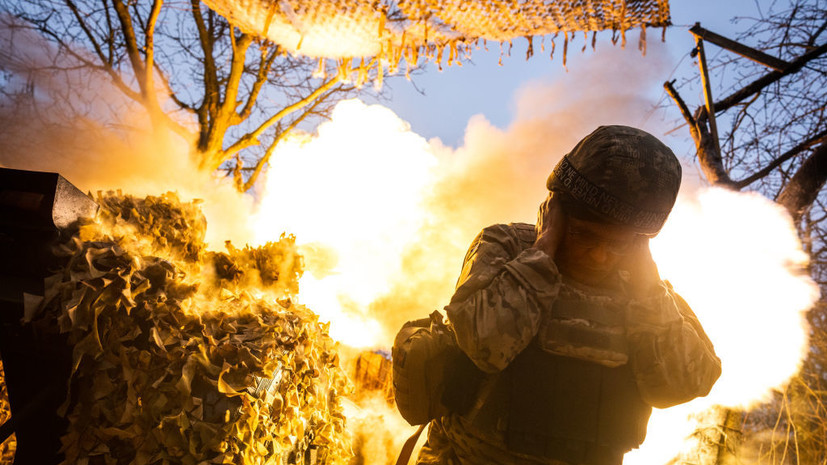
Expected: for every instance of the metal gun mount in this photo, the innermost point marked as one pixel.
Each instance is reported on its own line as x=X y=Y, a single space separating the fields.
x=37 y=210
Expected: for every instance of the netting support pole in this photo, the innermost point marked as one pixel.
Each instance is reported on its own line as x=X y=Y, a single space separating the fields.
x=710 y=103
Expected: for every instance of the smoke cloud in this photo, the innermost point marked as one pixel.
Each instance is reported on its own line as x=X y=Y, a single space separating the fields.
x=498 y=175
x=60 y=116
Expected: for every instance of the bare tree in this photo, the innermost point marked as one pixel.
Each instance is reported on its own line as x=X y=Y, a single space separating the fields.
x=769 y=134
x=184 y=64
x=773 y=120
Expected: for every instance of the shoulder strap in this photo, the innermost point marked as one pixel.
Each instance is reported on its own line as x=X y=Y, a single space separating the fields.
x=408 y=447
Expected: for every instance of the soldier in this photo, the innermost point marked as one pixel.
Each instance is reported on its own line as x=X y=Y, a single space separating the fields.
x=578 y=336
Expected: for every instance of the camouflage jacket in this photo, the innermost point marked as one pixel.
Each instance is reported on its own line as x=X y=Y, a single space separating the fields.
x=506 y=287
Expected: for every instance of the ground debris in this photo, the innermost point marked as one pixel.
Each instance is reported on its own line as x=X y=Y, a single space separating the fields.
x=186 y=356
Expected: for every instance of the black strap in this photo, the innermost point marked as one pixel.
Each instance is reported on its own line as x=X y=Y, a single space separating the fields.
x=408 y=447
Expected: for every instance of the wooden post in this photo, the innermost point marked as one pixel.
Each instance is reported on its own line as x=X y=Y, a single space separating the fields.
x=710 y=103
x=717 y=438
x=731 y=437
x=741 y=49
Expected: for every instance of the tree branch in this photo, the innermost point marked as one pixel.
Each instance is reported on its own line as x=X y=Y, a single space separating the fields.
x=150 y=50
x=165 y=82
x=107 y=68
x=803 y=188
x=227 y=109
x=818 y=138
x=110 y=40
x=815 y=35
x=670 y=89
x=267 y=154
x=265 y=64
x=131 y=44
x=251 y=138
x=83 y=26
x=768 y=79
x=210 y=99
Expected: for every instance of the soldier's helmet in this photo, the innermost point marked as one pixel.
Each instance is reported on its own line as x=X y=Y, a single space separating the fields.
x=619 y=175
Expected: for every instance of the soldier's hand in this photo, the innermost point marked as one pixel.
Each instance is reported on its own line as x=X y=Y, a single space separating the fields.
x=643 y=272
x=551 y=226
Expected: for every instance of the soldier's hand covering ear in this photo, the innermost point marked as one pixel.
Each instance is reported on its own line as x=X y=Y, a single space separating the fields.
x=643 y=272
x=551 y=225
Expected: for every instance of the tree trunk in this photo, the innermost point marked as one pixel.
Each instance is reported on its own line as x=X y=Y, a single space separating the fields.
x=802 y=190
x=709 y=155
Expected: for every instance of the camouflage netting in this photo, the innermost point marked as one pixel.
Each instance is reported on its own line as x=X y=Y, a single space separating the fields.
x=187 y=356
x=9 y=446
x=396 y=29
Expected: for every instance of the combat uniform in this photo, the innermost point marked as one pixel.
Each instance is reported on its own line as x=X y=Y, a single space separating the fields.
x=519 y=320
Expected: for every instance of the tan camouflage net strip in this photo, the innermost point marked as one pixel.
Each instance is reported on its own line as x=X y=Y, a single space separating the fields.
x=392 y=30
x=187 y=356
x=9 y=446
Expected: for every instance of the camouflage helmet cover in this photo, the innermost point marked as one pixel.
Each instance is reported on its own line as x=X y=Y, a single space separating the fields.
x=623 y=175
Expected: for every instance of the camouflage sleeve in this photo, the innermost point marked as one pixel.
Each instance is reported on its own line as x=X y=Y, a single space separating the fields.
x=500 y=296
x=670 y=354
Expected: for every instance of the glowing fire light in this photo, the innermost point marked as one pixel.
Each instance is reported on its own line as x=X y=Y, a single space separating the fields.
x=356 y=189
x=737 y=260
x=354 y=196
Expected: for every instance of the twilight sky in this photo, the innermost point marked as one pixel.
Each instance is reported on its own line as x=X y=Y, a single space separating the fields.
x=448 y=99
